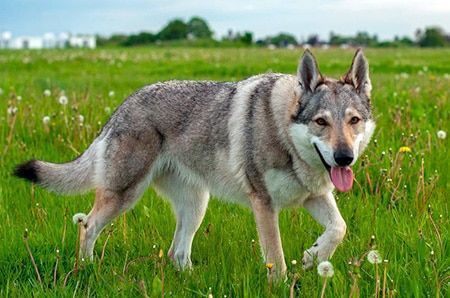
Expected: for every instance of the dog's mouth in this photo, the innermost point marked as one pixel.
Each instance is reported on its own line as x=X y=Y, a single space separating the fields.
x=341 y=177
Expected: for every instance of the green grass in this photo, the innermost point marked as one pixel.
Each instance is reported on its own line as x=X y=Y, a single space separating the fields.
x=400 y=198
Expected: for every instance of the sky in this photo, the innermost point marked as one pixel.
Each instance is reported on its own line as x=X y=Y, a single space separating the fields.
x=386 y=18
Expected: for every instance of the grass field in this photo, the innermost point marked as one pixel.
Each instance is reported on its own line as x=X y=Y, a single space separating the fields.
x=401 y=198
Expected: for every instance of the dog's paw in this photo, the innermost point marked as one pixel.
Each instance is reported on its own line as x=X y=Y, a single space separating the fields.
x=80 y=218
x=308 y=258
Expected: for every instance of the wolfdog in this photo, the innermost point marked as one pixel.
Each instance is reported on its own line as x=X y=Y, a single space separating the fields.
x=270 y=141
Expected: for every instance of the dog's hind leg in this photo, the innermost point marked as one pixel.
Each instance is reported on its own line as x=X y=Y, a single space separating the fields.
x=122 y=174
x=189 y=204
x=108 y=205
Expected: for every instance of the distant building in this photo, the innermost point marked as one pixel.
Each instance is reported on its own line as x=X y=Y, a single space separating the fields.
x=47 y=41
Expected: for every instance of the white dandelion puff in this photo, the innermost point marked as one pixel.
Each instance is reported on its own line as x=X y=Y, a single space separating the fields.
x=47 y=93
x=111 y=93
x=63 y=100
x=19 y=98
x=325 y=269
x=79 y=217
x=441 y=134
x=46 y=120
x=12 y=110
x=374 y=257
x=107 y=110
x=80 y=118
x=294 y=262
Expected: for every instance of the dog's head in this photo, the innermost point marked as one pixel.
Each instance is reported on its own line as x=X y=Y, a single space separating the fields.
x=333 y=122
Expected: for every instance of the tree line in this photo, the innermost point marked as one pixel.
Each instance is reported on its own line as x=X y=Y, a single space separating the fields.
x=197 y=32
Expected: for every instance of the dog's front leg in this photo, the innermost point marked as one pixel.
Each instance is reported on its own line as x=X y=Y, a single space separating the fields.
x=326 y=212
x=266 y=218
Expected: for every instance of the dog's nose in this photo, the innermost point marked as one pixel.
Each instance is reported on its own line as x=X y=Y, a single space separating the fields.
x=343 y=157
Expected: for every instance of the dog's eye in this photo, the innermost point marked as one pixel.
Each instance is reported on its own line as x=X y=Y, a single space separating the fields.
x=321 y=122
x=354 y=120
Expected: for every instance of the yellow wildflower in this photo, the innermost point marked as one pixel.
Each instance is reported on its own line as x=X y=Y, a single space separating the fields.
x=269 y=266
x=404 y=149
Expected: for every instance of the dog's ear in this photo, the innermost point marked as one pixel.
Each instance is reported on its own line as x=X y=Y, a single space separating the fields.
x=358 y=75
x=308 y=72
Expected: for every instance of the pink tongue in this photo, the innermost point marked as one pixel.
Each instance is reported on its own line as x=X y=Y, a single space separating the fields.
x=342 y=178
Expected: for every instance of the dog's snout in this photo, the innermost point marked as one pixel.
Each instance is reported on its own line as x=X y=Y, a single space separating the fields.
x=343 y=157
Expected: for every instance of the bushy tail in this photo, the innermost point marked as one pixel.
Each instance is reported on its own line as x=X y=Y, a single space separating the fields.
x=68 y=178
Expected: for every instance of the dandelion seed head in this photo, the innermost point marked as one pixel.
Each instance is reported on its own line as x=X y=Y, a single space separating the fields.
x=79 y=218
x=111 y=93
x=19 y=98
x=12 y=111
x=325 y=269
x=441 y=134
x=46 y=120
x=294 y=262
x=374 y=257
x=80 y=118
x=63 y=100
x=210 y=295
x=47 y=93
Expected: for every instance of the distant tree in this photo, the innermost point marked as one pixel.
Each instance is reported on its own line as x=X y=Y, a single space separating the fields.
x=336 y=39
x=246 y=38
x=313 y=39
x=432 y=37
x=282 y=39
x=405 y=41
x=364 y=39
x=199 y=28
x=140 y=39
x=113 y=40
x=175 y=29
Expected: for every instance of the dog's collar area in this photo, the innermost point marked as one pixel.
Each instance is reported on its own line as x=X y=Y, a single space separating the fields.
x=327 y=166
